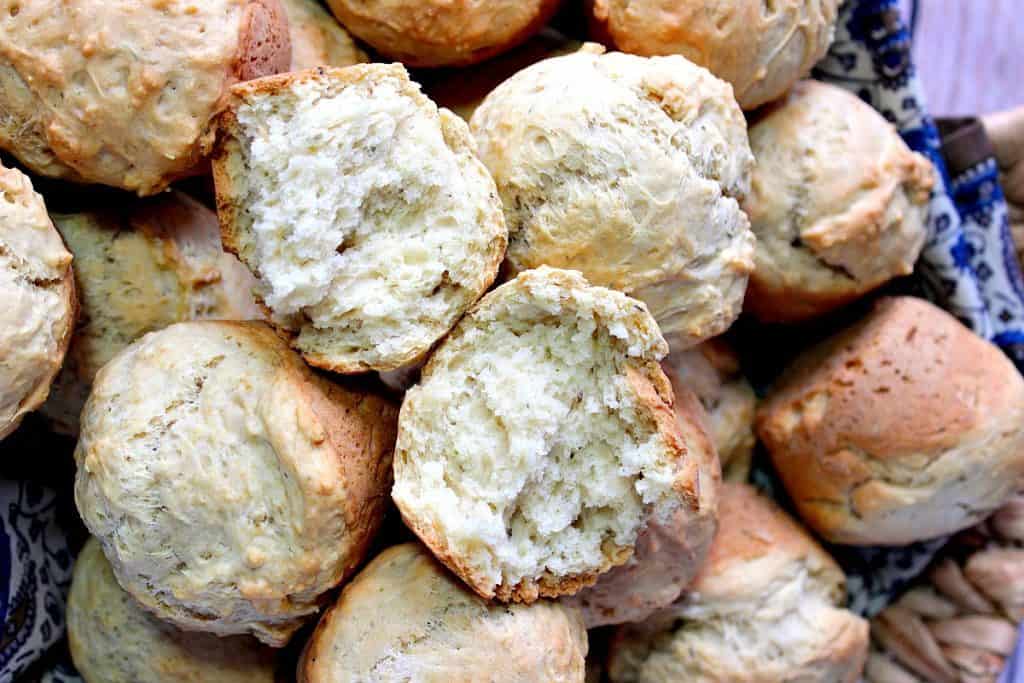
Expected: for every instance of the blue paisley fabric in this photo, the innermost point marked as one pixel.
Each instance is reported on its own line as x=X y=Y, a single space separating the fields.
x=35 y=572
x=968 y=267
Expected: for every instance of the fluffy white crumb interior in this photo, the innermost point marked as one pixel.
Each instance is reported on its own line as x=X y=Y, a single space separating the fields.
x=360 y=214
x=543 y=456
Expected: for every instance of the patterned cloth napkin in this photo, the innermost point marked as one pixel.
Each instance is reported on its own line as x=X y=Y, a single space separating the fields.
x=968 y=267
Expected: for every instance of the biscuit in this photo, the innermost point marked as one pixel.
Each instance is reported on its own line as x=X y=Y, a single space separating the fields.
x=761 y=48
x=139 y=268
x=428 y=33
x=362 y=210
x=766 y=607
x=123 y=92
x=838 y=203
x=230 y=486
x=668 y=554
x=317 y=38
x=405 y=618
x=712 y=372
x=541 y=438
x=629 y=170
x=113 y=640
x=904 y=427
x=37 y=289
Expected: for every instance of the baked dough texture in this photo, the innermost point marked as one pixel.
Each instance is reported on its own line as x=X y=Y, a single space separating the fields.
x=230 y=486
x=139 y=268
x=668 y=554
x=904 y=427
x=124 y=92
x=761 y=48
x=428 y=33
x=361 y=208
x=541 y=438
x=712 y=372
x=37 y=300
x=838 y=203
x=766 y=607
x=113 y=640
x=629 y=170
x=405 y=618
x=463 y=90
x=317 y=38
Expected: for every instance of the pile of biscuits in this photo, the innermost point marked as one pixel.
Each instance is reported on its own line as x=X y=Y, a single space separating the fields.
x=323 y=302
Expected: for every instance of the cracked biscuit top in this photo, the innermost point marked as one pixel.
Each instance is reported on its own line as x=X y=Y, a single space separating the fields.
x=230 y=486
x=629 y=170
x=124 y=92
x=904 y=427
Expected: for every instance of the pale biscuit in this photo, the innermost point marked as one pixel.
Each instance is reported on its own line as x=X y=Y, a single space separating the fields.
x=838 y=203
x=124 y=92
x=37 y=300
x=712 y=372
x=629 y=170
x=405 y=618
x=463 y=90
x=541 y=438
x=361 y=208
x=139 y=268
x=113 y=640
x=230 y=486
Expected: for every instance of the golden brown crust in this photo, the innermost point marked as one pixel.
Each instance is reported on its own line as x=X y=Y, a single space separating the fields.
x=760 y=48
x=764 y=608
x=838 y=203
x=264 y=44
x=904 y=427
x=146 y=121
x=431 y=33
x=752 y=526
